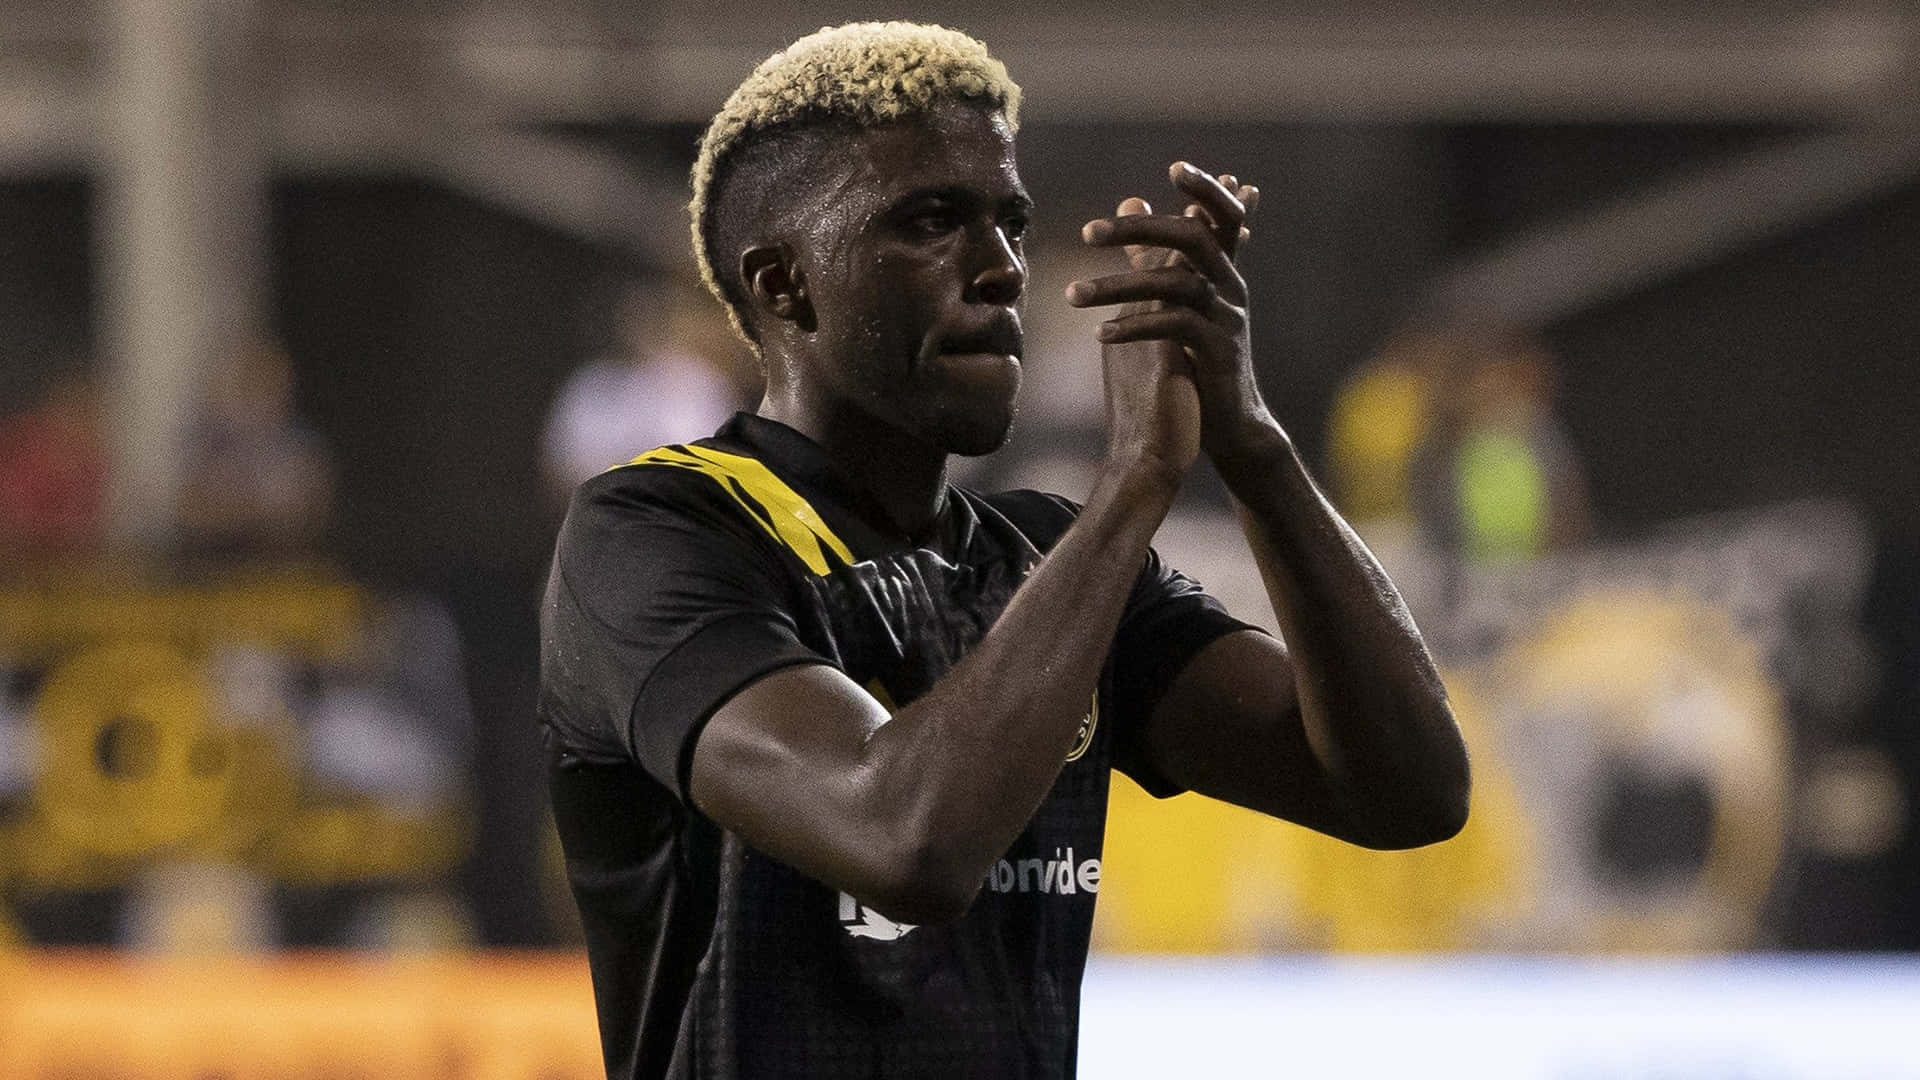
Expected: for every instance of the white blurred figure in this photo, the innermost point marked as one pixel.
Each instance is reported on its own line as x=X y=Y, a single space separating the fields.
x=260 y=480
x=669 y=373
x=199 y=909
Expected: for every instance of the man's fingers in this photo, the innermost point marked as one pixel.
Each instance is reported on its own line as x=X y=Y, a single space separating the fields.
x=1139 y=256
x=1177 y=324
x=1215 y=200
x=1190 y=236
x=1187 y=235
x=1229 y=239
x=1226 y=201
x=1199 y=213
x=1173 y=285
x=1248 y=195
x=1223 y=206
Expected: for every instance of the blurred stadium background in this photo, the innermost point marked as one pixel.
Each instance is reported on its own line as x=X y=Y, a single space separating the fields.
x=1598 y=319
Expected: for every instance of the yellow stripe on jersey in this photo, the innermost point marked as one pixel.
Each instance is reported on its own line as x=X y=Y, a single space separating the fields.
x=767 y=499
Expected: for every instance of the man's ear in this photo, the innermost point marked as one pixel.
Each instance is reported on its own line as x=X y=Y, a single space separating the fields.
x=776 y=284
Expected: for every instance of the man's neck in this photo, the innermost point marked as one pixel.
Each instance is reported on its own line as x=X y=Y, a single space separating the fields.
x=905 y=477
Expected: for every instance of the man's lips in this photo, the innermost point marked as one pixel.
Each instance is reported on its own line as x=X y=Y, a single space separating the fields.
x=996 y=340
x=985 y=359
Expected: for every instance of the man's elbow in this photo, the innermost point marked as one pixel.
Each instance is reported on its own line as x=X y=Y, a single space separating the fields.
x=1440 y=820
x=921 y=884
x=1436 y=813
x=1454 y=814
x=1434 y=803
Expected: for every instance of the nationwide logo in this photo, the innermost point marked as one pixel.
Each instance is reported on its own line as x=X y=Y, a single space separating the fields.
x=1061 y=875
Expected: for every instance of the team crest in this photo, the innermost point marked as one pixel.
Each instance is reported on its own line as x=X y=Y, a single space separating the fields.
x=1084 y=738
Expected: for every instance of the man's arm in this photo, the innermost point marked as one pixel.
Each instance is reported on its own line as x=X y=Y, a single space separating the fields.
x=908 y=813
x=1346 y=728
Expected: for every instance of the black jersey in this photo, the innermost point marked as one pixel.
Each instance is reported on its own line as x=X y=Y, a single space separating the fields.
x=689 y=573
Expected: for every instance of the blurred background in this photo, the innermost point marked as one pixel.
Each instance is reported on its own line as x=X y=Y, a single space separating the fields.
x=1598 y=320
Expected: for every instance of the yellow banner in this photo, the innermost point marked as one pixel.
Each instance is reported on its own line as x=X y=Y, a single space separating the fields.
x=94 y=1016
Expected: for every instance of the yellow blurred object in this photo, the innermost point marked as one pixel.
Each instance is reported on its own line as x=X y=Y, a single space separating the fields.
x=1443 y=897
x=1667 y=685
x=1170 y=871
x=304 y=611
x=493 y=1017
x=146 y=761
x=1378 y=423
x=133 y=764
x=1619 y=706
x=363 y=841
x=1193 y=875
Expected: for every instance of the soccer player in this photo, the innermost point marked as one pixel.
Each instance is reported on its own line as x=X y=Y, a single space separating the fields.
x=830 y=738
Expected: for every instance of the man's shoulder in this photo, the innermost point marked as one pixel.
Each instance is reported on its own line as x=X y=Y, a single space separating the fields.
x=709 y=489
x=668 y=491
x=665 y=468
x=695 y=479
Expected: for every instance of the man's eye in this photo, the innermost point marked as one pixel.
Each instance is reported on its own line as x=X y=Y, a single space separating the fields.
x=1015 y=228
x=935 y=222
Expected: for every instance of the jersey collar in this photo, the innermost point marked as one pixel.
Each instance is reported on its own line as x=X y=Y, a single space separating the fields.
x=803 y=464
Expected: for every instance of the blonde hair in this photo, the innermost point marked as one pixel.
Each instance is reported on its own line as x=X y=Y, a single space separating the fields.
x=868 y=73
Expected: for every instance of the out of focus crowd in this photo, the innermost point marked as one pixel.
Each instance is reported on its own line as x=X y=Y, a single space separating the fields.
x=233 y=744
x=242 y=747
x=1671 y=751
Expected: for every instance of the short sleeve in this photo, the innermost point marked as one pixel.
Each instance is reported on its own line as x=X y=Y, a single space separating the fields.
x=660 y=605
x=1169 y=618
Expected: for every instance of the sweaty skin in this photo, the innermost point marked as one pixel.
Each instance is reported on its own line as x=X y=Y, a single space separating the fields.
x=1352 y=734
x=891 y=339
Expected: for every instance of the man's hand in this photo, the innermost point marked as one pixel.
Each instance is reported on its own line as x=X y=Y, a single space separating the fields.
x=1345 y=728
x=1153 y=407
x=1184 y=294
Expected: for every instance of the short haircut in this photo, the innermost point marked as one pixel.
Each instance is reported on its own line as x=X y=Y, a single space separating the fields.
x=860 y=75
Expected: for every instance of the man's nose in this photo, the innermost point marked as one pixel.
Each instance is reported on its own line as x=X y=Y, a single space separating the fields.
x=1002 y=275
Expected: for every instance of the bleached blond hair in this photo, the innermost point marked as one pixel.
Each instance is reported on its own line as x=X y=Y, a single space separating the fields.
x=867 y=73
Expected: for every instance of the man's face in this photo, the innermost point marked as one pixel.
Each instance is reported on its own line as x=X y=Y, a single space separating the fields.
x=915 y=275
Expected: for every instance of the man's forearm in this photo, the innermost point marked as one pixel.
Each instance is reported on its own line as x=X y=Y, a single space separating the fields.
x=1374 y=711
x=965 y=765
